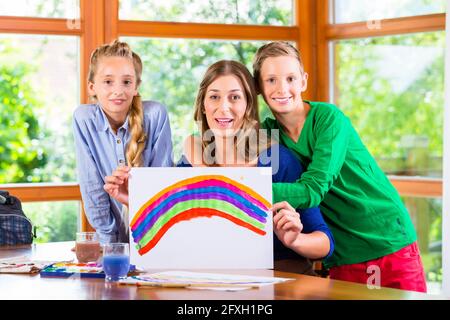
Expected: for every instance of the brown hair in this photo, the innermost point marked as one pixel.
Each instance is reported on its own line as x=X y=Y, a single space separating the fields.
x=135 y=114
x=271 y=50
x=251 y=116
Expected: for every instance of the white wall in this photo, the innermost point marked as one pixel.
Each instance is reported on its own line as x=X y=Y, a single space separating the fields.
x=446 y=167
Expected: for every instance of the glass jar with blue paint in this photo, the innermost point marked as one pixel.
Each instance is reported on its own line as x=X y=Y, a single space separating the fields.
x=116 y=261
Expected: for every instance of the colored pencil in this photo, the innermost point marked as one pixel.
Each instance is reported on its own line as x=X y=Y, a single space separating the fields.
x=145 y=284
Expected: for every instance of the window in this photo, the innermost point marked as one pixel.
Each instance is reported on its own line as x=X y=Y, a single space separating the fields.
x=267 y=12
x=426 y=214
x=398 y=112
x=41 y=8
x=54 y=221
x=390 y=82
x=39 y=91
x=51 y=57
x=391 y=107
x=346 y=11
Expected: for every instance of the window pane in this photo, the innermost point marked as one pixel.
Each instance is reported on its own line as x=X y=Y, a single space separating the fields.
x=426 y=215
x=364 y=10
x=173 y=70
x=262 y=12
x=392 y=88
x=39 y=89
x=54 y=221
x=41 y=8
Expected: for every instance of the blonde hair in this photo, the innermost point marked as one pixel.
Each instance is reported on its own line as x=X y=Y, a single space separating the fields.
x=135 y=114
x=251 y=117
x=271 y=50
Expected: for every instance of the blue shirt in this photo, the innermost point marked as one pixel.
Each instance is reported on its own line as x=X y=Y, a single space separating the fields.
x=99 y=151
x=286 y=168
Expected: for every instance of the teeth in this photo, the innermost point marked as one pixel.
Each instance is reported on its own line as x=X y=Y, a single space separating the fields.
x=224 y=120
x=281 y=99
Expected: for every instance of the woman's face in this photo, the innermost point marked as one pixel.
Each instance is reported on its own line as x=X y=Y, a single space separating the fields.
x=225 y=105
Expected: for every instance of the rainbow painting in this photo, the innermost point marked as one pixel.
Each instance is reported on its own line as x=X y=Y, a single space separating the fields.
x=200 y=218
x=199 y=196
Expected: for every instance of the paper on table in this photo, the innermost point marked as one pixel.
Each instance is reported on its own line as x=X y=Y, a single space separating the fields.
x=200 y=280
x=218 y=278
x=23 y=264
x=219 y=288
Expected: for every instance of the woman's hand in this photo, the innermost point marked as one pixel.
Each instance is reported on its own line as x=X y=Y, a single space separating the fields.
x=286 y=223
x=117 y=184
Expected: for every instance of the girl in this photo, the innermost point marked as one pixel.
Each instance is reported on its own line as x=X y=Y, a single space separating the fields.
x=364 y=211
x=119 y=129
x=226 y=110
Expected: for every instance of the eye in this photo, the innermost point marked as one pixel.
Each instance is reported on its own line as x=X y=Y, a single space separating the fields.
x=235 y=97
x=214 y=97
x=127 y=82
x=291 y=79
x=271 y=80
x=108 y=82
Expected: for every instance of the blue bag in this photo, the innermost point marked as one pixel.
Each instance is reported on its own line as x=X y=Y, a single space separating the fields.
x=15 y=227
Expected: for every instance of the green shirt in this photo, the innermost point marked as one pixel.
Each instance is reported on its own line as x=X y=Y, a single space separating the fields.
x=362 y=208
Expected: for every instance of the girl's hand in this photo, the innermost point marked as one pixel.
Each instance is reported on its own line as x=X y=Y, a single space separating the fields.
x=117 y=184
x=286 y=223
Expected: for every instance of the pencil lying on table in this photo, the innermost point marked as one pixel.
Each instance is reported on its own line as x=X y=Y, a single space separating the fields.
x=162 y=284
x=185 y=285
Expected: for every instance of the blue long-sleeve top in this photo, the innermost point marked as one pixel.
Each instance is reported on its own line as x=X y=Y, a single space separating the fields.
x=286 y=168
x=99 y=151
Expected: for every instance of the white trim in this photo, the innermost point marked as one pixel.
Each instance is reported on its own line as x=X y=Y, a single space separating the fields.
x=446 y=169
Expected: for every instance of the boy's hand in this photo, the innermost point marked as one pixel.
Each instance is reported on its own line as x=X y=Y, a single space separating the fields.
x=116 y=185
x=286 y=223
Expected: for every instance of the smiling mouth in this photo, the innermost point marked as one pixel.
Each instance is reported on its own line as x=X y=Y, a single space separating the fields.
x=282 y=100
x=224 y=121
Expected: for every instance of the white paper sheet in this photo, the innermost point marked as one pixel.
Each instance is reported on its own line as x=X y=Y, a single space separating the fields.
x=203 y=242
x=202 y=280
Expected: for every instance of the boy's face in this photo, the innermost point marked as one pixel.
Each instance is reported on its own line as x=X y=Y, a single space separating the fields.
x=282 y=82
x=114 y=85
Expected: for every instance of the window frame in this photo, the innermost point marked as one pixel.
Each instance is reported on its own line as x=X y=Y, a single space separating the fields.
x=99 y=23
x=312 y=32
x=328 y=32
x=407 y=186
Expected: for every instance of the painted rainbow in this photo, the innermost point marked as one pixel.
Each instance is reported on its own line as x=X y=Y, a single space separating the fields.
x=200 y=196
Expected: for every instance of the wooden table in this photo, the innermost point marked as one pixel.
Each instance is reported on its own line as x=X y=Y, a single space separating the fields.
x=19 y=286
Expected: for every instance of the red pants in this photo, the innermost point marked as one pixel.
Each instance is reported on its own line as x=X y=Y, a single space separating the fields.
x=401 y=270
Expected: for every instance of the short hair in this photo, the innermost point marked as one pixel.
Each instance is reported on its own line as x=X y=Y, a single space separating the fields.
x=274 y=49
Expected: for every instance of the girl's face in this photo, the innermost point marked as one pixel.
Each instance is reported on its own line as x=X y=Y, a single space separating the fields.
x=225 y=104
x=282 y=83
x=114 y=85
